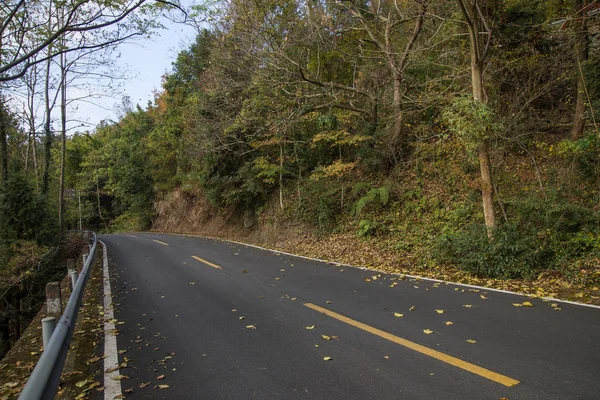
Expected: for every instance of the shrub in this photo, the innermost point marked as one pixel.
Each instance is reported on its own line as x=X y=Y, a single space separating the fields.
x=510 y=254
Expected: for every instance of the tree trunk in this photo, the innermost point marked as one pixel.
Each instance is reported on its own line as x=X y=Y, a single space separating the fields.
x=47 y=134
x=281 y=176
x=3 y=142
x=63 y=120
x=397 y=126
x=485 y=167
x=582 y=52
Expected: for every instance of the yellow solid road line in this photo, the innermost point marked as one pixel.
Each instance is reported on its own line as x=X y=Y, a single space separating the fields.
x=158 y=241
x=486 y=373
x=206 y=262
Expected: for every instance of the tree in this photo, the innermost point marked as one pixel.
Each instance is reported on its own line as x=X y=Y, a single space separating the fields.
x=22 y=40
x=582 y=53
x=480 y=38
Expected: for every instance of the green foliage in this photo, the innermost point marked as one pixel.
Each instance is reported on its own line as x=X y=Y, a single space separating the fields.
x=508 y=255
x=381 y=193
x=368 y=228
x=24 y=215
x=471 y=121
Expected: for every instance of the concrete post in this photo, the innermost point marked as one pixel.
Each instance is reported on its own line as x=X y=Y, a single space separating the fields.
x=74 y=278
x=53 y=299
x=48 y=326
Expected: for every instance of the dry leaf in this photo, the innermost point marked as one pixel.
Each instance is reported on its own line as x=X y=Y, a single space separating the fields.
x=327 y=358
x=448 y=322
x=439 y=311
x=427 y=331
x=483 y=297
x=163 y=386
x=412 y=308
x=143 y=385
x=398 y=315
x=471 y=341
x=386 y=357
x=250 y=327
x=527 y=304
x=326 y=337
x=310 y=327
x=160 y=377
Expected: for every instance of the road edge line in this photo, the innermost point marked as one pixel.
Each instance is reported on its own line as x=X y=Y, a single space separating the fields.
x=112 y=387
x=423 y=278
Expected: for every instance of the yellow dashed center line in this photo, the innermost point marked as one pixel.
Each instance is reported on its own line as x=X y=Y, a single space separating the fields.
x=158 y=241
x=486 y=373
x=206 y=262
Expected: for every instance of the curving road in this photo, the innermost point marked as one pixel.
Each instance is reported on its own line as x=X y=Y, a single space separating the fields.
x=224 y=321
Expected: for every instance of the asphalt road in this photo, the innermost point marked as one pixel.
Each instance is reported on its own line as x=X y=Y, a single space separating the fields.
x=242 y=323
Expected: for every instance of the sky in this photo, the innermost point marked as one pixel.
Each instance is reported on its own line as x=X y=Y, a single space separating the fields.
x=145 y=61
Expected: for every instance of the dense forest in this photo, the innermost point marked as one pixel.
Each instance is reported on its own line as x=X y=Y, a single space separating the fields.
x=456 y=133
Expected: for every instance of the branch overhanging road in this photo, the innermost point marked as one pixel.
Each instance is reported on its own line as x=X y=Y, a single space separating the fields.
x=206 y=319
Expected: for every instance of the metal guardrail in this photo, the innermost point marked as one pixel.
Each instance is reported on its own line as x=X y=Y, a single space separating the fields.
x=44 y=379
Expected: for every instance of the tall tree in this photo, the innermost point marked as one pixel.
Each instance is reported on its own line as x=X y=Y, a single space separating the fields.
x=582 y=52
x=480 y=38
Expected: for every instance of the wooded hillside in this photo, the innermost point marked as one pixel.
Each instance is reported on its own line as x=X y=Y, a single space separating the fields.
x=460 y=132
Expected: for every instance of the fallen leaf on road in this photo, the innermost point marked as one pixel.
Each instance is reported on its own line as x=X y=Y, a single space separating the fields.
x=326 y=337
x=310 y=327
x=143 y=385
x=367 y=280
x=398 y=315
x=327 y=358
x=128 y=390
x=328 y=302
x=386 y=357
x=448 y=322
x=191 y=283
x=517 y=304
x=250 y=327
x=163 y=386
x=119 y=377
x=527 y=304
x=471 y=341
x=467 y=305
x=160 y=377
x=554 y=305
x=282 y=270
x=234 y=310
x=439 y=311
x=412 y=308
x=81 y=383
x=242 y=317
x=293 y=299
x=483 y=297
x=427 y=331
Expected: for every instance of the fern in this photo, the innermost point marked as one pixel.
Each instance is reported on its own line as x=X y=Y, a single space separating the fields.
x=383 y=193
x=359 y=187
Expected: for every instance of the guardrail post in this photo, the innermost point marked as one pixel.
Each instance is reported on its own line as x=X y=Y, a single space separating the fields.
x=48 y=326
x=74 y=278
x=53 y=299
